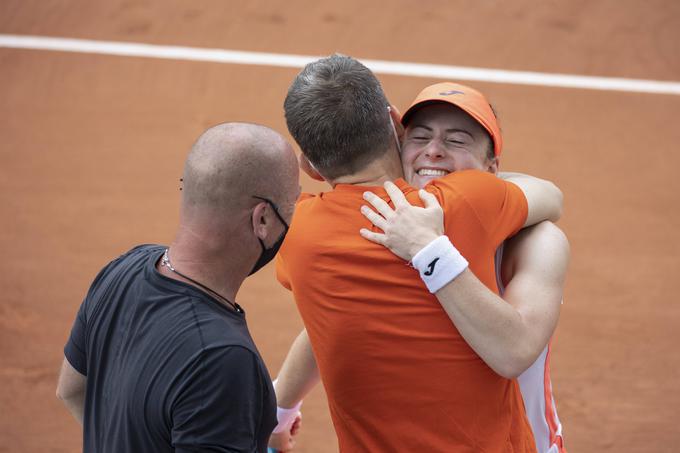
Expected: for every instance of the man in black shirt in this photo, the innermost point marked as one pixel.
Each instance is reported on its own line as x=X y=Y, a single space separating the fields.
x=160 y=358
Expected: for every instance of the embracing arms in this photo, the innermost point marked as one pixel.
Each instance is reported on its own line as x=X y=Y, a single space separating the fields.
x=543 y=197
x=508 y=335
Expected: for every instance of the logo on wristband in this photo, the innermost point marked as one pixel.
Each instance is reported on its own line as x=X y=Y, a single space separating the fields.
x=430 y=267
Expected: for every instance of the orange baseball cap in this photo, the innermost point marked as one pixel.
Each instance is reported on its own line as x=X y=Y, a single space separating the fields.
x=470 y=100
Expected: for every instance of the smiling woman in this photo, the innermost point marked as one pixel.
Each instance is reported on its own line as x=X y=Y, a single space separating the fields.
x=442 y=138
x=446 y=133
x=449 y=127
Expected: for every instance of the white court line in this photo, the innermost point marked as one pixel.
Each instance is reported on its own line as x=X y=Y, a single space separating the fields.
x=379 y=66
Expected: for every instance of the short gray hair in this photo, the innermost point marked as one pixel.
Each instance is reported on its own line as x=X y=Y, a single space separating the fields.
x=337 y=112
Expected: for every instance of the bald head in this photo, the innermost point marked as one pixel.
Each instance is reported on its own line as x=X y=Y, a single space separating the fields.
x=232 y=162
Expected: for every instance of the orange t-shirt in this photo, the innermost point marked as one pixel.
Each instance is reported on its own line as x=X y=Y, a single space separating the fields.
x=398 y=374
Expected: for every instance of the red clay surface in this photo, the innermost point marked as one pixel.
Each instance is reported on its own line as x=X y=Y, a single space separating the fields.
x=92 y=149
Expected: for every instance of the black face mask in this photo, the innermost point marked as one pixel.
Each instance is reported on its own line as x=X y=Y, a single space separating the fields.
x=268 y=254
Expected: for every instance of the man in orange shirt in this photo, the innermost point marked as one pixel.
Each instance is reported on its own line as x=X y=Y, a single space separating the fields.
x=397 y=375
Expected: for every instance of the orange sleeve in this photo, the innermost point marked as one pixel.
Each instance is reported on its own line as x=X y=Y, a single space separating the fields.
x=515 y=206
x=282 y=272
x=500 y=206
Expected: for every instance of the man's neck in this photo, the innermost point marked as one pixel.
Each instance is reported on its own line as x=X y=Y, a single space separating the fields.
x=206 y=265
x=385 y=168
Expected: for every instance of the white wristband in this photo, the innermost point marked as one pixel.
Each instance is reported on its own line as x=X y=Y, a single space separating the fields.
x=439 y=262
x=286 y=417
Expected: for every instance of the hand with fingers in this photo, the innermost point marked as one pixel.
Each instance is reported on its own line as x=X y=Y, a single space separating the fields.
x=406 y=228
x=284 y=441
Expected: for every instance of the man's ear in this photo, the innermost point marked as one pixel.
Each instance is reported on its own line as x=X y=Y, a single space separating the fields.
x=396 y=120
x=492 y=165
x=259 y=220
x=307 y=167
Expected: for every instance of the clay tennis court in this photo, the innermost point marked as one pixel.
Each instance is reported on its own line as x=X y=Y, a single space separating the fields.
x=92 y=148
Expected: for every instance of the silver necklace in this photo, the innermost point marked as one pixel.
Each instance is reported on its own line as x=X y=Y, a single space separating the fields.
x=165 y=262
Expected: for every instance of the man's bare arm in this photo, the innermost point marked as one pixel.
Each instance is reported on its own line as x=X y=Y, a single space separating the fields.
x=504 y=335
x=71 y=390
